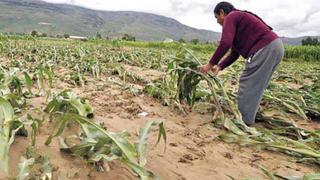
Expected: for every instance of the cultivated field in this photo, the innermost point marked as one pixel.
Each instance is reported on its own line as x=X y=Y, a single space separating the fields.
x=128 y=110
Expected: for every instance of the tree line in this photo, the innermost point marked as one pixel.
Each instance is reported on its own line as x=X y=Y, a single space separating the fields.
x=309 y=41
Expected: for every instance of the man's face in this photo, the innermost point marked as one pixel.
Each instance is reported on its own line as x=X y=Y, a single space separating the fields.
x=220 y=17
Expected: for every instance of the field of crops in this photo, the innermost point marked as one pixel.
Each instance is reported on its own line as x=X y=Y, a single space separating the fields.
x=129 y=110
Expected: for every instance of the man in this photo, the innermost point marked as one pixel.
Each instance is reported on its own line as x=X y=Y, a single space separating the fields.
x=247 y=35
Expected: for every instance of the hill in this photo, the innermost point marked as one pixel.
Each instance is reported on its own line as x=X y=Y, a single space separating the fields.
x=23 y=16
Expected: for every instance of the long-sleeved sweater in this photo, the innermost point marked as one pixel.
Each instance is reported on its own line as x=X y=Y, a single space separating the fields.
x=245 y=34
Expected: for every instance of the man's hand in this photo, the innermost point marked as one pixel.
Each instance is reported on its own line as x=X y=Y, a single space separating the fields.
x=215 y=69
x=206 y=68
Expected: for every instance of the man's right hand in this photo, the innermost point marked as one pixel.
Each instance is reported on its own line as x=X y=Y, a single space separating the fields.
x=206 y=68
x=216 y=69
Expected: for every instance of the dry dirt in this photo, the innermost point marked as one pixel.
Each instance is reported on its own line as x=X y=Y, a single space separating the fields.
x=192 y=152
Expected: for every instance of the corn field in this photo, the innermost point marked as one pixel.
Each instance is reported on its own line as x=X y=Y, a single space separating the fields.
x=43 y=81
x=306 y=53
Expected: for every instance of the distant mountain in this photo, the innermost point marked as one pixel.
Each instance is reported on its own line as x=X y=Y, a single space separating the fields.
x=296 y=41
x=23 y=16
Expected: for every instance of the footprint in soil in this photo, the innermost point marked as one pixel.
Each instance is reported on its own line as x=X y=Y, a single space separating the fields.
x=187 y=158
x=133 y=108
x=228 y=155
x=200 y=153
x=192 y=132
x=173 y=144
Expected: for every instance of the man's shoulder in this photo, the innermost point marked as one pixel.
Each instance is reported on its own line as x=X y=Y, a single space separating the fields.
x=234 y=14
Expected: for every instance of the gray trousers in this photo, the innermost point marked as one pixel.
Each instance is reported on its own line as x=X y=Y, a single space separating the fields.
x=255 y=78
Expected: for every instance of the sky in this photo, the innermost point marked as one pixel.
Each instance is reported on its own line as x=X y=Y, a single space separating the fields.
x=290 y=18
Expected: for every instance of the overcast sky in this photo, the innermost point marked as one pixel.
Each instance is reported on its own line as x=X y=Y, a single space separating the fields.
x=289 y=18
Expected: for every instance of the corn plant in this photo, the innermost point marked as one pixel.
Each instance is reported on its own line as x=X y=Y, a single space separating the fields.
x=44 y=74
x=7 y=132
x=25 y=167
x=69 y=102
x=34 y=166
x=97 y=144
x=307 y=53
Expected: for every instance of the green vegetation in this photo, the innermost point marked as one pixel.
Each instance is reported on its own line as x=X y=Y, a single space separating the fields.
x=307 y=53
x=128 y=37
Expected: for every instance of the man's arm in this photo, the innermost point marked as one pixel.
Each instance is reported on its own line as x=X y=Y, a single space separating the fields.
x=231 y=58
x=228 y=33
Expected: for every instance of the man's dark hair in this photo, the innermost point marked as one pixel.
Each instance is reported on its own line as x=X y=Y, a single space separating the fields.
x=225 y=6
x=228 y=7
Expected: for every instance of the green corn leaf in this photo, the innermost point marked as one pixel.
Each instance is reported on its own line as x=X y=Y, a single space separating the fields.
x=127 y=149
x=268 y=173
x=162 y=133
x=45 y=168
x=47 y=71
x=64 y=146
x=6 y=116
x=229 y=125
x=67 y=101
x=295 y=108
x=58 y=127
x=170 y=65
x=28 y=82
x=305 y=152
x=83 y=149
x=144 y=174
x=25 y=167
x=142 y=144
x=311 y=176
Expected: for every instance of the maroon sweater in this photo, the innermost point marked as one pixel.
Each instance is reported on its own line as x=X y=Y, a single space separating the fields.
x=245 y=34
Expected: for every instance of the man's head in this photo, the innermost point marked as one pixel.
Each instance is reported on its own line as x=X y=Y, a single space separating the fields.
x=221 y=10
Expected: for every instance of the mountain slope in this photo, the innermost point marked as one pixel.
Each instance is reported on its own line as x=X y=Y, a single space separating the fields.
x=27 y=15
